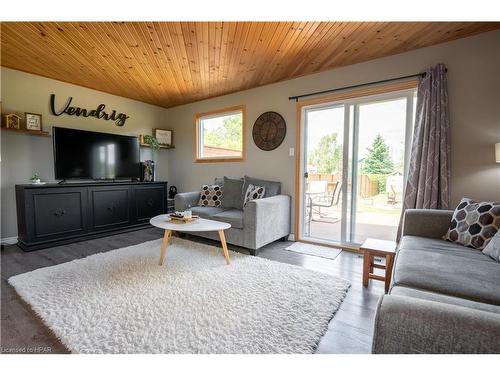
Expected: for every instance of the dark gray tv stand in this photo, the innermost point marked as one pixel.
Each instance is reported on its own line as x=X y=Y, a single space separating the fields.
x=55 y=214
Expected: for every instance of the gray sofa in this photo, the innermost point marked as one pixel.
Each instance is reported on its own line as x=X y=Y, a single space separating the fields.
x=260 y=222
x=444 y=297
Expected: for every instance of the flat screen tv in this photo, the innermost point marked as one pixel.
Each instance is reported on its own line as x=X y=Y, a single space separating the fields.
x=80 y=154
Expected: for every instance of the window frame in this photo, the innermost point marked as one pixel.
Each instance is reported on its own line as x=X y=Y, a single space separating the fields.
x=219 y=112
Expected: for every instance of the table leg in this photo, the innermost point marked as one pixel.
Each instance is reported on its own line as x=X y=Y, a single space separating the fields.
x=170 y=238
x=166 y=235
x=366 y=267
x=389 y=261
x=224 y=245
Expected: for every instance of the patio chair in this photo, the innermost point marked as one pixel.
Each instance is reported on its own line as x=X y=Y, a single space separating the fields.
x=393 y=196
x=323 y=201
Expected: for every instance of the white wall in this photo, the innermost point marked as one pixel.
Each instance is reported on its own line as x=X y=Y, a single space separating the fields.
x=474 y=92
x=22 y=154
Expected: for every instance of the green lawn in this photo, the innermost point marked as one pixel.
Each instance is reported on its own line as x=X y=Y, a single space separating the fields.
x=378 y=204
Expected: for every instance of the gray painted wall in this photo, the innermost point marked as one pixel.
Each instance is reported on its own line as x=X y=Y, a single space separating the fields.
x=22 y=154
x=474 y=91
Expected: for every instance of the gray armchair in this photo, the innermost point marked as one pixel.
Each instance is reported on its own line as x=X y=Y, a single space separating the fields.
x=260 y=222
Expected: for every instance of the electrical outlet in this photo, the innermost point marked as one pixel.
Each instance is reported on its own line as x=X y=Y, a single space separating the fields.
x=292 y=151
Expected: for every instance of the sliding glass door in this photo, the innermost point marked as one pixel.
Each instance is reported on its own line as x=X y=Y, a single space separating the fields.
x=353 y=167
x=323 y=166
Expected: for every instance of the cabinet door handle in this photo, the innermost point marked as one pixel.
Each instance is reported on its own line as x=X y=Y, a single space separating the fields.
x=59 y=212
x=150 y=202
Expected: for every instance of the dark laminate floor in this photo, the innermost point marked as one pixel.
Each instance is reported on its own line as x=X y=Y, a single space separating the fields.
x=350 y=330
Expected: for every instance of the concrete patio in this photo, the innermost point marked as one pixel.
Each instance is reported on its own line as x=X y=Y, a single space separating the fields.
x=374 y=218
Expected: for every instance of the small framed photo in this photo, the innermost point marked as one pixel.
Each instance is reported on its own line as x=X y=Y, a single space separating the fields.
x=11 y=121
x=163 y=136
x=33 y=121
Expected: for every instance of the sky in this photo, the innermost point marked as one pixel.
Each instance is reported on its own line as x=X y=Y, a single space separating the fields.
x=212 y=123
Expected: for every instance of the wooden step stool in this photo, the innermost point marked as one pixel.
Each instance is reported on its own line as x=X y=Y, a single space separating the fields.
x=381 y=248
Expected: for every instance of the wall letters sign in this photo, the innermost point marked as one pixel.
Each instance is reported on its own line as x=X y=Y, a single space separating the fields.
x=118 y=118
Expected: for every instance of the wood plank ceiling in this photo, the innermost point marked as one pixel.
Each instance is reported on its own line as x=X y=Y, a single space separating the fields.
x=173 y=63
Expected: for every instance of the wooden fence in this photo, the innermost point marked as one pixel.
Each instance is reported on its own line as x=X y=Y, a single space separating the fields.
x=366 y=187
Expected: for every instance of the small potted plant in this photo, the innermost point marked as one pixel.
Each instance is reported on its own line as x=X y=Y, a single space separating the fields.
x=35 y=178
x=151 y=142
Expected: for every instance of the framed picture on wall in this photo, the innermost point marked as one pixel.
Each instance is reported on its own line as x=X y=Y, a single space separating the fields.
x=33 y=121
x=163 y=136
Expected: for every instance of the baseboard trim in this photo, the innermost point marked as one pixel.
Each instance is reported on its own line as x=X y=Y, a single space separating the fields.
x=9 y=240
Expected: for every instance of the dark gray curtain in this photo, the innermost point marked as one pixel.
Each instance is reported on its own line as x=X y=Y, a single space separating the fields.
x=428 y=183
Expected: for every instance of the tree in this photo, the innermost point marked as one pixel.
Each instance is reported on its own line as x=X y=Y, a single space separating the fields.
x=226 y=136
x=378 y=160
x=327 y=157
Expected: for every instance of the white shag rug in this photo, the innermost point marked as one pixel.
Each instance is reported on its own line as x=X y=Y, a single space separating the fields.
x=315 y=250
x=122 y=301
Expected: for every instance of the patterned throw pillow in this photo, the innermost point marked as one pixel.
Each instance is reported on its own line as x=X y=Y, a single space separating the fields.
x=474 y=223
x=254 y=192
x=210 y=196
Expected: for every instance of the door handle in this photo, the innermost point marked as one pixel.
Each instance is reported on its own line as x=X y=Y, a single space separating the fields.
x=112 y=207
x=59 y=212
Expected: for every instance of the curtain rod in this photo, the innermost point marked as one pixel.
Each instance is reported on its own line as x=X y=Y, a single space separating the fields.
x=296 y=98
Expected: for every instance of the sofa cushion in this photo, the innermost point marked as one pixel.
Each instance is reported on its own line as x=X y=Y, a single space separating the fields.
x=437 y=297
x=210 y=196
x=272 y=187
x=219 y=181
x=440 y=247
x=233 y=193
x=206 y=212
x=474 y=223
x=254 y=192
x=233 y=217
x=447 y=271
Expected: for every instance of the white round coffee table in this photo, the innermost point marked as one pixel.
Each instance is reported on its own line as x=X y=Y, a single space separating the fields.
x=198 y=225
